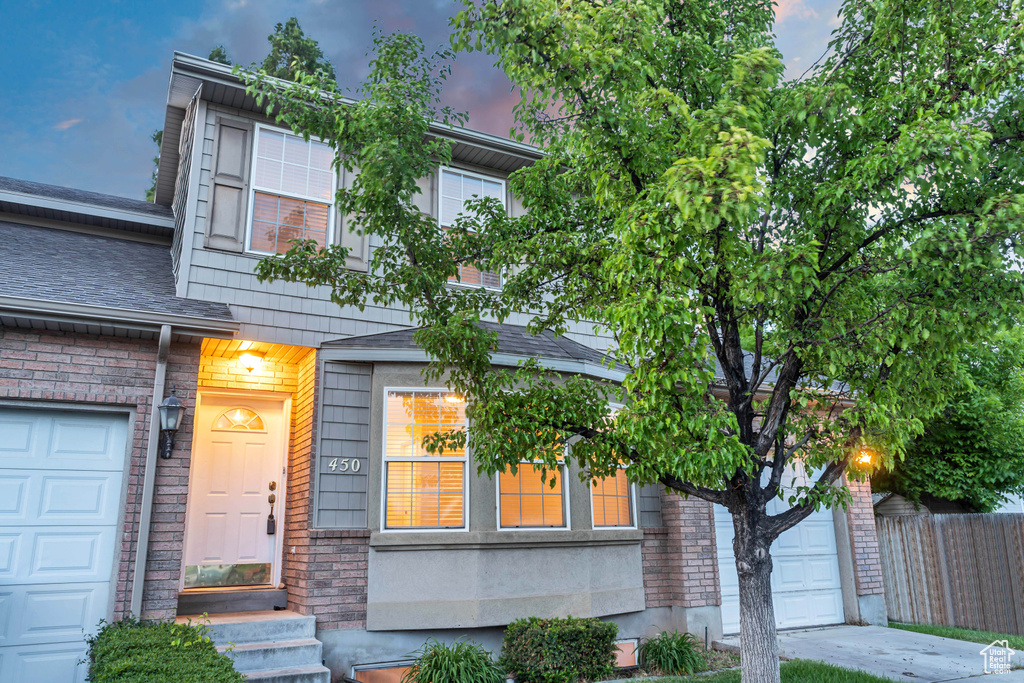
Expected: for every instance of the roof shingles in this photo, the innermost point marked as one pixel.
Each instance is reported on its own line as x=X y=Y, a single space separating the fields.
x=79 y=268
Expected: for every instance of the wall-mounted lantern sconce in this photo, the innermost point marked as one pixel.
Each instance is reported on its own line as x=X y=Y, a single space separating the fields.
x=171 y=411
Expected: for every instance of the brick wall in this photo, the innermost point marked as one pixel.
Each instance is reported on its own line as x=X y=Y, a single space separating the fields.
x=679 y=559
x=867 y=563
x=226 y=373
x=71 y=368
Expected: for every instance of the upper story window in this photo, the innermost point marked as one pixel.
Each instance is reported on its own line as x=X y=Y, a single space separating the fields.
x=456 y=188
x=422 y=490
x=293 y=186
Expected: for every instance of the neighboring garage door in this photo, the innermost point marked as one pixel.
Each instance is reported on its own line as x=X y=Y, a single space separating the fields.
x=60 y=492
x=805 y=574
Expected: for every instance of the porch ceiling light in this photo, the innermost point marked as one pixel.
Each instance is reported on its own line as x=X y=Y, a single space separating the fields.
x=251 y=360
x=866 y=456
x=171 y=411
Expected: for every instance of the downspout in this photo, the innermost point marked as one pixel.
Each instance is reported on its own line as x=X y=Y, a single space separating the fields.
x=142 y=549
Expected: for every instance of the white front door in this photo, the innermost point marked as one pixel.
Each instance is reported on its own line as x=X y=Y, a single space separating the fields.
x=806 y=590
x=237 y=463
x=60 y=491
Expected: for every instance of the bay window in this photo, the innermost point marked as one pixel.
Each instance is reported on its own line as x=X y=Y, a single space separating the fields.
x=293 y=186
x=532 y=498
x=456 y=188
x=423 y=490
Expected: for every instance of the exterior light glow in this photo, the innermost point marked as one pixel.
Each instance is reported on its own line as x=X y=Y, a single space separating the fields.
x=250 y=360
x=865 y=457
x=454 y=398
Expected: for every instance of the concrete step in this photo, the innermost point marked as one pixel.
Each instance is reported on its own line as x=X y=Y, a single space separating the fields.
x=205 y=601
x=299 y=674
x=280 y=654
x=259 y=627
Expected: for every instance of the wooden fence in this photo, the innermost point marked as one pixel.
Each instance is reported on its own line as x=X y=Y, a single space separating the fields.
x=955 y=570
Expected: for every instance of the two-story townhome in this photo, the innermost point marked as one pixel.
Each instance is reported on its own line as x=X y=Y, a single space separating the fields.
x=296 y=505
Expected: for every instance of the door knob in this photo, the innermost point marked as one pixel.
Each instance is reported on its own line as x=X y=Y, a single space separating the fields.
x=272 y=499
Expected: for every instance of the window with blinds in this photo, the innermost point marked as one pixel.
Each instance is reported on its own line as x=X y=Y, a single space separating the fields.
x=528 y=499
x=611 y=501
x=293 y=185
x=423 y=490
x=456 y=188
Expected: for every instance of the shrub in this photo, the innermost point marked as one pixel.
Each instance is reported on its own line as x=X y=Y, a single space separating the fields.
x=129 y=651
x=671 y=653
x=461 y=662
x=559 y=650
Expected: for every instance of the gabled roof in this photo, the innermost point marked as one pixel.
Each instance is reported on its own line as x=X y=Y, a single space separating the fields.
x=39 y=200
x=514 y=343
x=61 y=273
x=221 y=86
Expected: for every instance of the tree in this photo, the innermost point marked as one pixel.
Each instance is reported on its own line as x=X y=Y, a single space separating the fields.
x=220 y=55
x=291 y=51
x=860 y=226
x=157 y=136
x=972 y=451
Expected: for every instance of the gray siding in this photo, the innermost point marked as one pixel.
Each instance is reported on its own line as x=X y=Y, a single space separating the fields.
x=648 y=505
x=279 y=312
x=181 y=185
x=341 y=493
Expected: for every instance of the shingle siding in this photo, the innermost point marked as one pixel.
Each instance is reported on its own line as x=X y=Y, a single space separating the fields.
x=341 y=501
x=281 y=312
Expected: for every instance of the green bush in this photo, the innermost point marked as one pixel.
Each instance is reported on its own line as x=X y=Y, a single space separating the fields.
x=461 y=662
x=671 y=653
x=559 y=650
x=129 y=651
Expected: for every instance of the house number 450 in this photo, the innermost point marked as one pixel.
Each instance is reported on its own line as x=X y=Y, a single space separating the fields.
x=344 y=465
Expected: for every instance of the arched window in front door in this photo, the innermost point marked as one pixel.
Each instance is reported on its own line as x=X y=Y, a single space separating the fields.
x=239 y=419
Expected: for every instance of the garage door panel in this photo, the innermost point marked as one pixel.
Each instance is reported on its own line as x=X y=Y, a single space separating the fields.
x=60 y=487
x=806 y=588
x=44 y=663
x=59 y=497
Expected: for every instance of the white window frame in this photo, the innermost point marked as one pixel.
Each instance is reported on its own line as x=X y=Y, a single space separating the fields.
x=635 y=642
x=566 y=506
x=382 y=665
x=440 y=199
x=384 y=459
x=253 y=190
x=632 y=490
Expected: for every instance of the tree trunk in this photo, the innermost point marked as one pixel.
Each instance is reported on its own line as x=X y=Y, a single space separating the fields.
x=759 y=644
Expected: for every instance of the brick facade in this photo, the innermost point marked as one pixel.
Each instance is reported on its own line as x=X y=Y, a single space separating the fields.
x=77 y=369
x=680 y=560
x=867 y=562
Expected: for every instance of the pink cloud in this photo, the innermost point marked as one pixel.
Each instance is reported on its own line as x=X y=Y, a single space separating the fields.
x=793 y=9
x=64 y=125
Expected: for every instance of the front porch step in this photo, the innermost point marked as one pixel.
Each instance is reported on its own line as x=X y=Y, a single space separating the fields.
x=270 y=647
x=277 y=654
x=259 y=627
x=302 y=674
x=206 y=601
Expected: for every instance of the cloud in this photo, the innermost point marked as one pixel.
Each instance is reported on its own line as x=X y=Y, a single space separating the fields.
x=64 y=125
x=793 y=9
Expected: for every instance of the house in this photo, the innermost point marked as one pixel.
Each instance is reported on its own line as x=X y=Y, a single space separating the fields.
x=294 y=480
x=893 y=505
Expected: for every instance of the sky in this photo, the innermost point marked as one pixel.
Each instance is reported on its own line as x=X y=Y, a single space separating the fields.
x=85 y=83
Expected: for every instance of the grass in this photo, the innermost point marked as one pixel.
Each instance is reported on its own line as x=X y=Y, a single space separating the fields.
x=797 y=671
x=970 y=635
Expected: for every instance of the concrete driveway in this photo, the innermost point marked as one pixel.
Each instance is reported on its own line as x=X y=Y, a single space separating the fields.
x=899 y=655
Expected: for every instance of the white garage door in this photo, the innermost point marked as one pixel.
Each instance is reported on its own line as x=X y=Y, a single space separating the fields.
x=805 y=575
x=60 y=491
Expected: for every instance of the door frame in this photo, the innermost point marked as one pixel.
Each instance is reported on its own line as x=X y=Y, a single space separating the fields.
x=285 y=399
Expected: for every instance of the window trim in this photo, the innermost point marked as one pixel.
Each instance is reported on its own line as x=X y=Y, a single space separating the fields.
x=250 y=209
x=631 y=489
x=440 y=199
x=566 y=505
x=634 y=512
x=405 y=663
x=384 y=460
